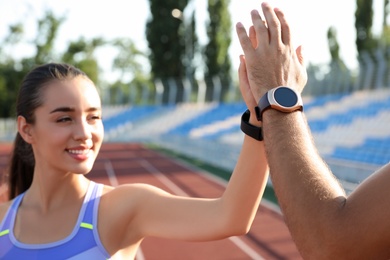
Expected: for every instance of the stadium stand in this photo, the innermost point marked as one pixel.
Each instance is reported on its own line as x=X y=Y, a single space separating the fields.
x=351 y=131
x=157 y=122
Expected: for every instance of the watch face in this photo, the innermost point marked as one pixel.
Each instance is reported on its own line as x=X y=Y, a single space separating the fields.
x=285 y=97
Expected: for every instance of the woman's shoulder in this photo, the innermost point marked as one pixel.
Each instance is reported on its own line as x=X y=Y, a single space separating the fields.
x=117 y=208
x=127 y=197
x=124 y=191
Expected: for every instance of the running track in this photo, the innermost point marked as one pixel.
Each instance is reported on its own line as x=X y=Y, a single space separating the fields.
x=127 y=163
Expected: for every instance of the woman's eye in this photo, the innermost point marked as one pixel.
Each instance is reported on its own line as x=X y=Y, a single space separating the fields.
x=64 y=119
x=94 y=117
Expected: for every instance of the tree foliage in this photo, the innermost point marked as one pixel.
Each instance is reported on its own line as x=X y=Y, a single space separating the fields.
x=173 y=44
x=363 y=24
x=167 y=47
x=81 y=53
x=385 y=26
x=334 y=48
x=12 y=71
x=48 y=27
x=128 y=63
x=216 y=53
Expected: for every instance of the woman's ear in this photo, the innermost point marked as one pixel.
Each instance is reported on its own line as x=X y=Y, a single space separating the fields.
x=25 y=129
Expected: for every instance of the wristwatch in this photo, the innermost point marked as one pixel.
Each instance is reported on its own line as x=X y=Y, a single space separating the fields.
x=281 y=98
x=248 y=129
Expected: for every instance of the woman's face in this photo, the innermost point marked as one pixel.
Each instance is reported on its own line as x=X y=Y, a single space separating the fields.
x=68 y=130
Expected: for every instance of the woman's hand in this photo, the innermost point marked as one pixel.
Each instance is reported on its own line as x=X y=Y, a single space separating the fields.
x=246 y=92
x=245 y=89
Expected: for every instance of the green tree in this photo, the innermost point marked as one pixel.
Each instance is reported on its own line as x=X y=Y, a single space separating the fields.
x=334 y=49
x=9 y=76
x=216 y=54
x=14 y=36
x=172 y=43
x=9 y=81
x=385 y=41
x=338 y=73
x=363 y=24
x=133 y=80
x=81 y=53
x=333 y=44
x=48 y=27
x=12 y=71
x=166 y=45
x=385 y=12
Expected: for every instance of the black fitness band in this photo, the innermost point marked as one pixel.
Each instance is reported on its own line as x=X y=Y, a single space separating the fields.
x=248 y=129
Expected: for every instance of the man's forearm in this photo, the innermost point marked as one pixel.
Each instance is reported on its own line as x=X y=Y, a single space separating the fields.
x=298 y=172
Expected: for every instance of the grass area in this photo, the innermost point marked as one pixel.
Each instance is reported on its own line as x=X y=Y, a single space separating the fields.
x=269 y=193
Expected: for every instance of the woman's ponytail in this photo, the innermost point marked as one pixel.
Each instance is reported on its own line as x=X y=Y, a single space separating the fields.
x=21 y=168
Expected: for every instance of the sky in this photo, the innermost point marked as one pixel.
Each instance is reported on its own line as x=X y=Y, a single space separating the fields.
x=309 y=21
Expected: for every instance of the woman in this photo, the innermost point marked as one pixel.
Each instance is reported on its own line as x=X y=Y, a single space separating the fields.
x=55 y=210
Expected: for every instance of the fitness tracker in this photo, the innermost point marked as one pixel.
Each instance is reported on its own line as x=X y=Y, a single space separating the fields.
x=281 y=98
x=248 y=129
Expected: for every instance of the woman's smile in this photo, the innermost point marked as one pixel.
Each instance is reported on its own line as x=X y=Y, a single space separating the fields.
x=80 y=153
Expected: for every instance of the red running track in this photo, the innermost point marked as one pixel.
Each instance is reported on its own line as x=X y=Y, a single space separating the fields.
x=120 y=163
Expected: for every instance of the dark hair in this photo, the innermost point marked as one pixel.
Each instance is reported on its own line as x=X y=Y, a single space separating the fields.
x=30 y=97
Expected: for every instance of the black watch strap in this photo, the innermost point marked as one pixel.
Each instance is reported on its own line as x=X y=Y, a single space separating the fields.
x=263 y=105
x=248 y=129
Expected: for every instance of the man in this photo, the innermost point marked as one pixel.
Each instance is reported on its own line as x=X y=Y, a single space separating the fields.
x=323 y=221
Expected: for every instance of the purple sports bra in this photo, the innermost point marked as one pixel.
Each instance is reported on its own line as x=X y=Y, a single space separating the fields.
x=82 y=243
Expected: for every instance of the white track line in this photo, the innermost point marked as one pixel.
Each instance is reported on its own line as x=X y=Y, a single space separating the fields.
x=177 y=190
x=161 y=177
x=114 y=182
x=111 y=173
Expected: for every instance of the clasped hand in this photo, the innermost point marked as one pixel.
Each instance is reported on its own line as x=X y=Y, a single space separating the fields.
x=270 y=59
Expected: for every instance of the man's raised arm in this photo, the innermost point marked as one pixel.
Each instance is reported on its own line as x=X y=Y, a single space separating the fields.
x=323 y=221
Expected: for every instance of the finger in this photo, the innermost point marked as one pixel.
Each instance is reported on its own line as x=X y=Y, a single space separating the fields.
x=252 y=36
x=285 y=27
x=243 y=76
x=301 y=58
x=243 y=38
x=244 y=85
x=273 y=23
x=260 y=27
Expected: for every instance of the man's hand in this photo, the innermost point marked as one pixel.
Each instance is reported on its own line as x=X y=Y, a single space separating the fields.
x=270 y=58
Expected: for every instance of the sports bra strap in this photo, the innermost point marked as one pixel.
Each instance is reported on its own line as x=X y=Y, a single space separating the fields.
x=88 y=217
x=6 y=223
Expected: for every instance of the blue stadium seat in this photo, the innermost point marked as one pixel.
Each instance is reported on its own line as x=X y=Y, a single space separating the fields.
x=373 y=151
x=129 y=115
x=219 y=113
